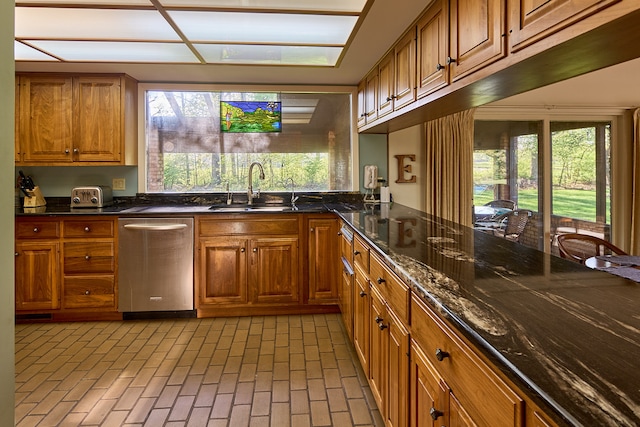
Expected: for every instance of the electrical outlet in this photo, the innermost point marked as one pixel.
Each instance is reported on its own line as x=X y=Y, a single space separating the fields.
x=118 y=184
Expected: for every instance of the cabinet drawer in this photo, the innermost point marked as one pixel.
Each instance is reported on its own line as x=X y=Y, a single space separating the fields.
x=88 y=228
x=89 y=257
x=267 y=225
x=37 y=229
x=361 y=254
x=488 y=399
x=394 y=290
x=346 y=245
x=89 y=291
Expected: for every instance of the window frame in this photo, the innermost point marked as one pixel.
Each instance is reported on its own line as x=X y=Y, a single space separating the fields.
x=620 y=169
x=160 y=86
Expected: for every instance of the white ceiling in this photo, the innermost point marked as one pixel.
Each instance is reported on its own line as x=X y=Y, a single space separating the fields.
x=135 y=37
x=385 y=21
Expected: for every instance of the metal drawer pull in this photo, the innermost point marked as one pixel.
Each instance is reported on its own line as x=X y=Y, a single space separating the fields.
x=87 y=229
x=382 y=326
x=441 y=355
x=363 y=294
x=381 y=281
x=87 y=257
x=378 y=319
x=435 y=414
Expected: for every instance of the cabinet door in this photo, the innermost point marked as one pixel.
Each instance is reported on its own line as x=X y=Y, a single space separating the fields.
x=346 y=301
x=398 y=385
x=477 y=35
x=361 y=306
x=324 y=261
x=429 y=394
x=433 y=48
x=97 y=115
x=532 y=20
x=371 y=96
x=46 y=118
x=16 y=113
x=274 y=270
x=223 y=271
x=386 y=84
x=378 y=350
x=362 y=113
x=405 y=71
x=37 y=273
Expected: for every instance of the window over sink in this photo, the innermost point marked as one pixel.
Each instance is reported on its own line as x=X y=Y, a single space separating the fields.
x=196 y=143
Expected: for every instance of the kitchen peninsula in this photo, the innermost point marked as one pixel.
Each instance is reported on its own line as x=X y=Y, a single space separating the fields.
x=565 y=337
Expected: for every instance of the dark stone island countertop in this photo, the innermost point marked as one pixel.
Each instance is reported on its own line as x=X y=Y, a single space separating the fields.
x=569 y=336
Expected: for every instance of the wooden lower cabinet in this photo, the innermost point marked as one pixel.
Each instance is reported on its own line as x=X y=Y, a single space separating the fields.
x=421 y=372
x=248 y=263
x=361 y=307
x=66 y=267
x=324 y=254
x=37 y=277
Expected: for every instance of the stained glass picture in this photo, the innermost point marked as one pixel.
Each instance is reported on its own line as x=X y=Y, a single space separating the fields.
x=250 y=116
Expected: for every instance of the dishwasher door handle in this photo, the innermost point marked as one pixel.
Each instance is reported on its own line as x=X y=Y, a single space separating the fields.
x=155 y=227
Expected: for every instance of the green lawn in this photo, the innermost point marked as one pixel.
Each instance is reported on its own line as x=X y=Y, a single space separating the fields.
x=579 y=204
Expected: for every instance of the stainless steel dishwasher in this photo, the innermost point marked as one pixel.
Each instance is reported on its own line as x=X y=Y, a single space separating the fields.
x=155 y=266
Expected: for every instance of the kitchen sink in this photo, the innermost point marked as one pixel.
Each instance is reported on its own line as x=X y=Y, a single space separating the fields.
x=233 y=209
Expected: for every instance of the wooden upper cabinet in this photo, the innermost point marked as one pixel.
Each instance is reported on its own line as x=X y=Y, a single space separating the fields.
x=46 y=119
x=432 y=48
x=82 y=119
x=477 y=35
x=405 y=71
x=386 y=84
x=371 y=96
x=98 y=119
x=362 y=114
x=532 y=20
x=17 y=146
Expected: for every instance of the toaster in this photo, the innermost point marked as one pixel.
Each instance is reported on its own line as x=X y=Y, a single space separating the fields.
x=92 y=196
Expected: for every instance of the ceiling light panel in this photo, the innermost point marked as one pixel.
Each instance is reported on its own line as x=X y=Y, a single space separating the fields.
x=23 y=52
x=87 y=51
x=92 y=24
x=274 y=28
x=68 y=3
x=343 y=6
x=269 y=54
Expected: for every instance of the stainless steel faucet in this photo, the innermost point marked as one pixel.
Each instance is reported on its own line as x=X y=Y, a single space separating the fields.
x=250 y=194
x=294 y=198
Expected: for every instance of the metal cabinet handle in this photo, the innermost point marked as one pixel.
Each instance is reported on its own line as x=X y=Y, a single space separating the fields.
x=439 y=67
x=255 y=249
x=441 y=354
x=66 y=151
x=87 y=292
x=36 y=230
x=87 y=257
x=312 y=229
x=75 y=150
x=378 y=319
x=242 y=250
x=435 y=414
x=381 y=281
x=450 y=60
x=363 y=294
x=356 y=252
x=87 y=229
x=382 y=326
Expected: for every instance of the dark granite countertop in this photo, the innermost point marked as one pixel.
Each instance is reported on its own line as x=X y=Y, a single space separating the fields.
x=569 y=336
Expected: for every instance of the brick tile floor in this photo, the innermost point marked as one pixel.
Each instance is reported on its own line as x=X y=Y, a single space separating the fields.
x=274 y=371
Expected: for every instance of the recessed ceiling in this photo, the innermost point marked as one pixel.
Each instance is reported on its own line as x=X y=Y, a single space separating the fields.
x=249 y=32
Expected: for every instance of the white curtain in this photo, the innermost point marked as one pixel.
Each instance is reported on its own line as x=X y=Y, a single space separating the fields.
x=635 y=206
x=449 y=159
